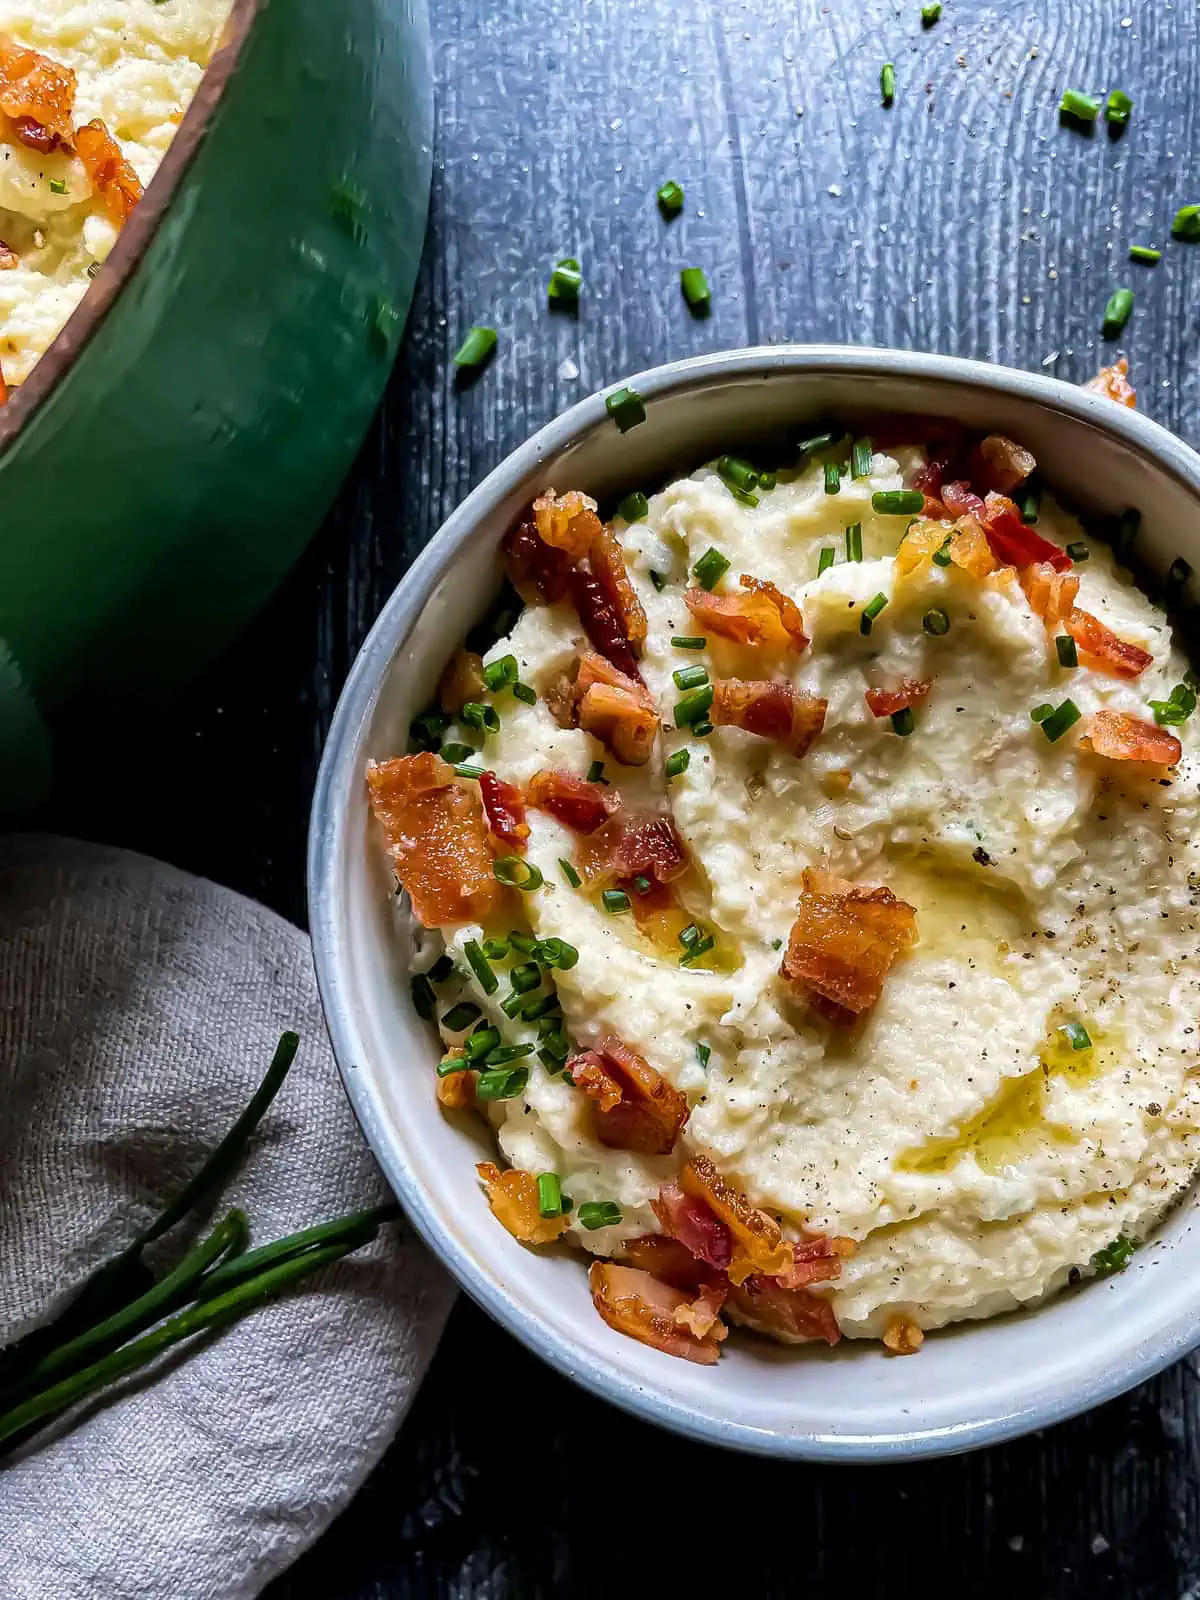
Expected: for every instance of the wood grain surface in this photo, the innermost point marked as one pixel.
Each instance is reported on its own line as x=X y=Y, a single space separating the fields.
x=963 y=219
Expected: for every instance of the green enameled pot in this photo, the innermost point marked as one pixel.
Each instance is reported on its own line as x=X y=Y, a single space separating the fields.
x=184 y=435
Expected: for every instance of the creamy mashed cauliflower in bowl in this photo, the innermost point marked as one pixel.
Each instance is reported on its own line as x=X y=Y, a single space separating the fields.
x=788 y=1023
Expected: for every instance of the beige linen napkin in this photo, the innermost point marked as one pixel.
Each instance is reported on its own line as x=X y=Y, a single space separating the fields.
x=138 y=1010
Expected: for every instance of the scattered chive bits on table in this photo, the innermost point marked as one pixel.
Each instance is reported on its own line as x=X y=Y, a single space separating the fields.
x=476 y=349
x=670 y=199
x=696 y=290
x=565 y=283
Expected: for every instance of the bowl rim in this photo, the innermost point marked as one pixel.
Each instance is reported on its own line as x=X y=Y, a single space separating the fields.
x=137 y=234
x=352 y=714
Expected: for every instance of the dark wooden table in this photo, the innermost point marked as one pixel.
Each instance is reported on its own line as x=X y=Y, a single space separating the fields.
x=963 y=219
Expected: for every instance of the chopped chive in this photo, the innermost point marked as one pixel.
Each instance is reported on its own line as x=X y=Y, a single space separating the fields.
x=1029 y=501
x=1186 y=224
x=427 y=729
x=565 y=283
x=502 y=1054
x=524 y=942
x=642 y=884
x=523 y=691
x=1060 y=719
x=464 y=769
x=1078 y=551
x=711 y=568
x=525 y=977
x=936 y=622
x=502 y=1083
x=554 y=952
x=1144 y=253
x=475 y=349
x=1117 y=312
x=1076 y=1035
x=740 y=474
x=942 y=556
x=595 y=1214
x=767 y=480
x=695 y=289
x=569 y=873
x=931 y=13
x=887 y=91
x=688 y=642
x=818 y=441
x=478 y=715
x=1068 y=655
x=615 y=901
x=691 y=935
x=488 y=981
x=1114 y=1256
x=58 y=186
x=677 y=762
x=423 y=997
x=1080 y=107
x=870 y=611
x=512 y=1004
x=549 y=1192
x=690 y=677
x=742 y=496
x=454 y=1062
x=516 y=873
x=542 y=1006
x=595 y=773
x=854 y=542
x=1041 y=712
x=501 y=674
x=698 y=950
x=670 y=199
x=903 y=721
x=1117 y=108
x=555 y=1045
x=480 y=1042
x=898 y=502
x=456 y=754
x=626 y=407
x=702 y=729
x=860 y=460
x=826 y=559
x=441 y=969
x=634 y=506
x=461 y=1016
x=703 y=1053
x=694 y=706
x=658 y=579
x=1175 y=710
x=833 y=477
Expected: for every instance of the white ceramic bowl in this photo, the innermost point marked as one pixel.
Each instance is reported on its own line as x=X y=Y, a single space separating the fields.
x=971 y=1385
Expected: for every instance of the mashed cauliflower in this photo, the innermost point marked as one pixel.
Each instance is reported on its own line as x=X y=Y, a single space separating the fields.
x=138 y=64
x=957 y=1135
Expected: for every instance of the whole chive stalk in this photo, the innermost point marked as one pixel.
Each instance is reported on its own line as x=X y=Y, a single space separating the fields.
x=354 y=1230
x=476 y=349
x=1117 y=312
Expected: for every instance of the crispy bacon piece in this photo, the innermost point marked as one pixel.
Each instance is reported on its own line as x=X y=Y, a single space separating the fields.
x=693 y=1223
x=438 y=837
x=763 y=616
x=513 y=1197
x=758 y=1242
x=1014 y=543
x=902 y=1336
x=960 y=501
x=927 y=479
x=771 y=710
x=1120 y=737
x=702 y=1315
x=1107 y=652
x=764 y=1304
x=456 y=1090
x=1002 y=464
x=580 y=805
x=909 y=692
x=567 y=521
x=36 y=90
x=1050 y=594
x=8 y=258
x=607 y=561
x=633 y=844
x=918 y=546
x=504 y=808
x=845 y=939
x=34 y=136
x=622 y=721
x=667 y=1259
x=537 y=570
x=817 y=1259
x=113 y=178
x=601 y=619
x=634 y=1303
x=1113 y=382
x=461 y=680
x=633 y=1106
x=970 y=550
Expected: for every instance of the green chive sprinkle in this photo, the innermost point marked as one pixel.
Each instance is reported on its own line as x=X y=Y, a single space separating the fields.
x=1117 y=312
x=557 y=953
x=1144 y=253
x=1114 y=1256
x=767 y=480
x=826 y=559
x=903 y=721
x=690 y=936
x=1078 y=551
x=464 y=770
x=860 y=459
x=569 y=873
x=688 y=642
x=898 y=502
x=854 y=542
x=710 y=569
x=495 y=949
x=634 y=506
x=887 y=90
x=476 y=348
x=512 y=1003
x=525 y=977
x=818 y=441
x=833 y=477
x=441 y=969
x=524 y=942
x=690 y=677
x=740 y=474
x=549 y=1195
x=1117 y=108
x=1060 y=719
x=942 y=557
x=595 y=1214
x=1076 y=1035
x=502 y=1083
x=501 y=674
x=1126 y=532
x=58 y=186
x=477 y=715
x=480 y=1042
x=696 y=290
x=702 y=729
x=931 y=14
x=1068 y=655
x=423 y=997
x=522 y=691
x=456 y=753
x=694 y=706
x=677 y=762
x=449 y=1064
x=488 y=981
x=703 y=1053
x=641 y=884
x=626 y=407
x=1041 y=712
x=1029 y=501
x=460 y=1017
x=670 y=199
x=1186 y=224
x=504 y=1053
x=426 y=730
x=698 y=951
x=1079 y=107
x=615 y=901
x=565 y=283
x=595 y=773
x=1171 y=713
x=936 y=622
x=516 y=873
x=870 y=611
x=658 y=579
x=535 y=1010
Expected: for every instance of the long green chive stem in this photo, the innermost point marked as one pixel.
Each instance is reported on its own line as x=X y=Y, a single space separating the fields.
x=362 y=1226
x=476 y=348
x=1117 y=312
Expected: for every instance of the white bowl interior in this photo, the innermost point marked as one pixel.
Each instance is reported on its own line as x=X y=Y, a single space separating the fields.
x=972 y=1384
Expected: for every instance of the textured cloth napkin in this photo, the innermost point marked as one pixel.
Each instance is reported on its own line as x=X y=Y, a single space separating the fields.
x=139 y=1008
